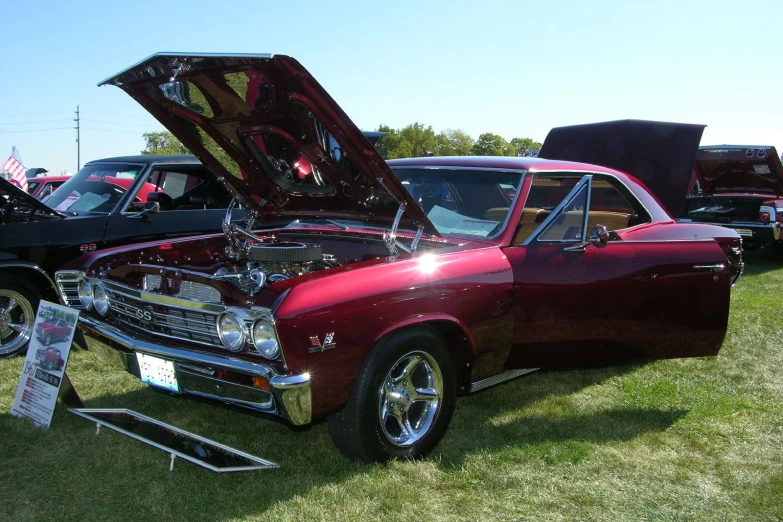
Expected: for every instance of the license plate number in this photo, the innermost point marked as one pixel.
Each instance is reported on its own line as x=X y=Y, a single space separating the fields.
x=157 y=372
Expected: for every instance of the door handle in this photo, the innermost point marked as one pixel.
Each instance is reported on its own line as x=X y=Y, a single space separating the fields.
x=717 y=267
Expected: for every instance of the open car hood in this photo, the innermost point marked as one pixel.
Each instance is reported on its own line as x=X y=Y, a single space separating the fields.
x=659 y=154
x=281 y=144
x=18 y=205
x=739 y=168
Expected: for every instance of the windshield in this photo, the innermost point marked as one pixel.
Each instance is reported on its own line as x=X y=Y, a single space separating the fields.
x=463 y=202
x=94 y=189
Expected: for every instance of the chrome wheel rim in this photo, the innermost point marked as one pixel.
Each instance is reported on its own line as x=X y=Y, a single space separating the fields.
x=410 y=398
x=16 y=321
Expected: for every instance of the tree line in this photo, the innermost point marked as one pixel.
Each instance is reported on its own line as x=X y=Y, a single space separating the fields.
x=408 y=142
x=416 y=140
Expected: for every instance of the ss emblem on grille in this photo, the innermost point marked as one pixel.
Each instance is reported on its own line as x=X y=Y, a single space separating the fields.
x=144 y=315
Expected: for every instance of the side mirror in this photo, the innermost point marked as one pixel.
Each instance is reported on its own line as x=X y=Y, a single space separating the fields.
x=601 y=235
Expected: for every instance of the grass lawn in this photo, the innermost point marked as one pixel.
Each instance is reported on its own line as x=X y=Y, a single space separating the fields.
x=693 y=439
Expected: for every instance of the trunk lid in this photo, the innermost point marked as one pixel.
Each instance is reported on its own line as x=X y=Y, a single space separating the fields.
x=739 y=168
x=659 y=154
x=281 y=144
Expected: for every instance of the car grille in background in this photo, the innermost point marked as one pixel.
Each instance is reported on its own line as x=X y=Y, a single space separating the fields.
x=187 y=289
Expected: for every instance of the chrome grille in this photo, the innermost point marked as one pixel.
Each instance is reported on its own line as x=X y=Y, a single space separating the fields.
x=170 y=321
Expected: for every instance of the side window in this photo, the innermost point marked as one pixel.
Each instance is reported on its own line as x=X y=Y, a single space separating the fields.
x=609 y=205
x=568 y=225
x=610 y=208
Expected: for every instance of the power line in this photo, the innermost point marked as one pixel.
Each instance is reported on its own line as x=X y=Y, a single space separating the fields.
x=110 y=130
x=34 y=130
x=121 y=123
x=29 y=122
x=33 y=114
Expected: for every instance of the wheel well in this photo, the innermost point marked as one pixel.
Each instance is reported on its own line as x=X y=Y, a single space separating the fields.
x=459 y=346
x=32 y=277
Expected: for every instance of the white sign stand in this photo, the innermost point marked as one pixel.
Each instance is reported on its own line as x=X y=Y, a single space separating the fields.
x=43 y=372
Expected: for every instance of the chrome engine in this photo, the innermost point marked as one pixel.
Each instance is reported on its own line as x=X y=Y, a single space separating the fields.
x=266 y=262
x=272 y=262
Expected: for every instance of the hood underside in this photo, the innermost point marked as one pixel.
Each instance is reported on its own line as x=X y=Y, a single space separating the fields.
x=659 y=154
x=739 y=168
x=281 y=144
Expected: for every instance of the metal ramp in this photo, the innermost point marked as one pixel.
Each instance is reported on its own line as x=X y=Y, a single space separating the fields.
x=174 y=441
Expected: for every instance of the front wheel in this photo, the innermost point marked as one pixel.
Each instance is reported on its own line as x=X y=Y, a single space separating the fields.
x=18 y=302
x=403 y=399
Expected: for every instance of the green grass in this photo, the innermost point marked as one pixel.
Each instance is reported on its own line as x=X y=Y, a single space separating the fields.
x=692 y=439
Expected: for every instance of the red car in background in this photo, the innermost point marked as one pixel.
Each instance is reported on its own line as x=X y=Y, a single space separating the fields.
x=398 y=285
x=43 y=186
x=53 y=331
x=739 y=187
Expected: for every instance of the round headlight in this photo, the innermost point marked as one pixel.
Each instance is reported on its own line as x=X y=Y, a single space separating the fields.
x=100 y=299
x=85 y=294
x=231 y=333
x=265 y=339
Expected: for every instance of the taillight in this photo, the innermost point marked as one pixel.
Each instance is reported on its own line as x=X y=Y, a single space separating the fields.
x=764 y=217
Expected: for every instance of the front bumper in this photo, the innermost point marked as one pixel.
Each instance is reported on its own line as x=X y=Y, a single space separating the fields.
x=197 y=372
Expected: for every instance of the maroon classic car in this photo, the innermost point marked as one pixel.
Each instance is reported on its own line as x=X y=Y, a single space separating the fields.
x=397 y=286
x=52 y=331
x=741 y=187
x=50 y=359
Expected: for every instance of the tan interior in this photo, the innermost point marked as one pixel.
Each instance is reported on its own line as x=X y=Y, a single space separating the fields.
x=532 y=217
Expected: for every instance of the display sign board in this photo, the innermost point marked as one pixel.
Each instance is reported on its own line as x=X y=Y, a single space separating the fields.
x=44 y=366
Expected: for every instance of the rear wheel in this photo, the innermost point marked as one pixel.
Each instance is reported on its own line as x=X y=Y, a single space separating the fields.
x=18 y=302
x=403 y=399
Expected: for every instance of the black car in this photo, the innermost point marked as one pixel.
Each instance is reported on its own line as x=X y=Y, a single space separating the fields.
x=109 y=202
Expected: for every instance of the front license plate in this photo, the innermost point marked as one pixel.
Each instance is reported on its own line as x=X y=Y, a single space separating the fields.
x=157 y=372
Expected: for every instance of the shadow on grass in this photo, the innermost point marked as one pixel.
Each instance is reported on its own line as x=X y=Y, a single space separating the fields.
x=763 y=260
x=496 y=419
x=71 y=471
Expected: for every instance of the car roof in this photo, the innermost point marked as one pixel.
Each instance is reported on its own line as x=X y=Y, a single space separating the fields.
x=504 y=162
x=150 y=159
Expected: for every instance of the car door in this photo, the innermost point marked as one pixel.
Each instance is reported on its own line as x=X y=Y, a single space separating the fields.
x=582 y=302
x=190 y=201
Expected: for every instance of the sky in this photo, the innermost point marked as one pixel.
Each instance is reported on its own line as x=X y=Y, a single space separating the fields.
x=514 y=68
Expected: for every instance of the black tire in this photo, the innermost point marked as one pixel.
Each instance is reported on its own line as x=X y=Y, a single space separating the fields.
x=27 y=298
x=357 y=430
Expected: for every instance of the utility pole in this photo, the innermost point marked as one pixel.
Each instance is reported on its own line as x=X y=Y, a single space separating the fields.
x=78 y=143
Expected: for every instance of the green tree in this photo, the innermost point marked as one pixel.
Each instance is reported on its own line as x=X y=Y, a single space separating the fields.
x=453 y=142
x=163 y=142
x=408 y=142
x=489 y=144
x=521 y=145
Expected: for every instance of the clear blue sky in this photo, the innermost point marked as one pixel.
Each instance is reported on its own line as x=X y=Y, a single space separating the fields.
x=514 y=68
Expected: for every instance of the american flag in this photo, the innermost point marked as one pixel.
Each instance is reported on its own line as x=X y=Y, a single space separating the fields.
x=14 y=167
